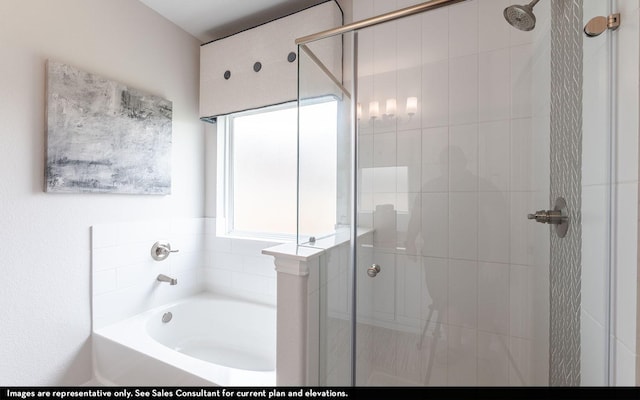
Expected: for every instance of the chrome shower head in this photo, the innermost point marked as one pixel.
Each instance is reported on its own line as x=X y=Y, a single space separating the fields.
x=521 y=17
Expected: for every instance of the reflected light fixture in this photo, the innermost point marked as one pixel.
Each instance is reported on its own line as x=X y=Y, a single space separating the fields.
x=391 y=107
x=374 y=109
x=412 y=105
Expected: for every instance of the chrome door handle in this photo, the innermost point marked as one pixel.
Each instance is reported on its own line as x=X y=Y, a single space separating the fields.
x=373 y=270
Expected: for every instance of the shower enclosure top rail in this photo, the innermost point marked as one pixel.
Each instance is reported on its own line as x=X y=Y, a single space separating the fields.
x=404 y=12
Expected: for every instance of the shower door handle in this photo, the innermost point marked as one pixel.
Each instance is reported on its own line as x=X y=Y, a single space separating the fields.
x=373 y=270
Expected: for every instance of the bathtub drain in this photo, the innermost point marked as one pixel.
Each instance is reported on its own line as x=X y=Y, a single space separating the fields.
x=166 y=317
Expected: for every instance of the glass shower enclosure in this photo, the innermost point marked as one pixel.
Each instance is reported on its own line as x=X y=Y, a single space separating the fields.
x=446 y=137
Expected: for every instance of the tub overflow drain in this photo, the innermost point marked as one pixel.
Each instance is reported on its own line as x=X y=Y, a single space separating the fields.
x=166 y=317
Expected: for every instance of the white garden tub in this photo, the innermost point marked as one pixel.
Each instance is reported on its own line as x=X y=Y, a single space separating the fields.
x=209 y=340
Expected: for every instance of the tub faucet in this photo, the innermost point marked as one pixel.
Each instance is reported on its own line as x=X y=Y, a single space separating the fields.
x=164 y=278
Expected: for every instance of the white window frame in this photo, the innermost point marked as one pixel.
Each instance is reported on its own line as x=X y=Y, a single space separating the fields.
x=225 y=204
x=224 y=186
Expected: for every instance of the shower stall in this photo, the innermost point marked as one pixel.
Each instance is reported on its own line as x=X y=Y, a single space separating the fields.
x=469 y=223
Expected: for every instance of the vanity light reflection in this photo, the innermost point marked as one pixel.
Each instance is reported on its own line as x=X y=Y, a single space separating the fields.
x=390 y=110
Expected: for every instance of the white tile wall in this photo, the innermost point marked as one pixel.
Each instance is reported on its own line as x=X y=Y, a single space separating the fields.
x=236 y=266
x=124 y=274
x=521 y=368
x=462 y=307
x=435 y=160
x=493 y=359
x=435 y=94
x=463 y=225
x=493 y=298
x=463 y=90
x=493 y=33
x=493 y=166
x=463 y=29
x=463 y=158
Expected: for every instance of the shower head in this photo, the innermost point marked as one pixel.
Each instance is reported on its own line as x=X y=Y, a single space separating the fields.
x=521 y=17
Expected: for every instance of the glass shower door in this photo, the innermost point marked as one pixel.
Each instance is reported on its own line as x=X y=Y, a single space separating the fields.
x=468 y=133
x=465 y=131
x=449 y=168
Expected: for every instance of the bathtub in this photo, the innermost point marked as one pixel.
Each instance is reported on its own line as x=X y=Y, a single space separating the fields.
x=206 y=339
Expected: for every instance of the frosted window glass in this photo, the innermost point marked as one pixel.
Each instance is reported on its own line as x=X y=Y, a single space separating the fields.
x=318 y=169
x=264 y=167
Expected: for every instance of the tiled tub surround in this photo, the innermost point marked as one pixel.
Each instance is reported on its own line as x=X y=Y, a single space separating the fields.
x=124 y=274
x=237 y=266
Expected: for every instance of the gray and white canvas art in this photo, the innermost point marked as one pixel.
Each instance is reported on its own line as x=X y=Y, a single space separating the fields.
x=105 y=137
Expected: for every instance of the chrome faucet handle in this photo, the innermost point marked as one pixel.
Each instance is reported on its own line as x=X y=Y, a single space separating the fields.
x=161 y=250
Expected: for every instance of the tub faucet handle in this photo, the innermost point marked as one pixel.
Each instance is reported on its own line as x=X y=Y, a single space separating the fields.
x=161 y=250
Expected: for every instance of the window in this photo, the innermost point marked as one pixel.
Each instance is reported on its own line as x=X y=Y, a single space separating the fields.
x=258 y=163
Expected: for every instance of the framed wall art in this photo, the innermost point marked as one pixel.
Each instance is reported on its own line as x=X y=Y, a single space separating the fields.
x=105 y=137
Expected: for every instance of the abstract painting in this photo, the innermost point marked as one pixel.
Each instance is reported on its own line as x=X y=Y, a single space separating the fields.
x=105 y=137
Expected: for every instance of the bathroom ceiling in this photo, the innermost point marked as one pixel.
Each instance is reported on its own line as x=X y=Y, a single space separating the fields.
x=212 y=19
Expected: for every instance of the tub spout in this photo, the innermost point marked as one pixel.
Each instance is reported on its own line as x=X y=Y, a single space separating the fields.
x=164 y=278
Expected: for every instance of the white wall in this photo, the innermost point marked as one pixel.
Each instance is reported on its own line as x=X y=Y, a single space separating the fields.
x=45 y=263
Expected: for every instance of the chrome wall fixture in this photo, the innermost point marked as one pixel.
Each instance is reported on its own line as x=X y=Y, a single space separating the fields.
x=166 y=317
x=597 y=25
x=373 y=270
x=163 y=278
x=521 y=17
x=161 y=250
x=558 y=217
